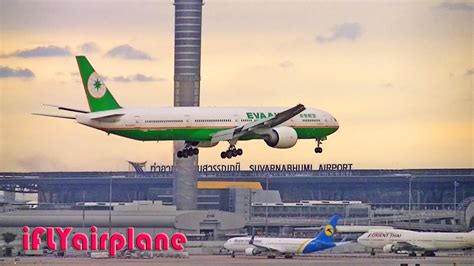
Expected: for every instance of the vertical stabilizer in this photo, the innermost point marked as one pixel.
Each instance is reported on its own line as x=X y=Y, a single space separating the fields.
x=98 y=96
x=327 y=233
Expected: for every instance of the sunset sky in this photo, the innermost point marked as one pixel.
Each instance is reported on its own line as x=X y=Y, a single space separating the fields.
x=396 y=74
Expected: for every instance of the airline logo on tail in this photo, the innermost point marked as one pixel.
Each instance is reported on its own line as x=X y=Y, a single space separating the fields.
x=329 y=230
x=96 y=86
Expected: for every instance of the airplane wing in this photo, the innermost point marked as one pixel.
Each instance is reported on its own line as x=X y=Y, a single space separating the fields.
x=265 y=247
x=269 y=248
x=342 y=243
x=258 y=126
x=408 y=246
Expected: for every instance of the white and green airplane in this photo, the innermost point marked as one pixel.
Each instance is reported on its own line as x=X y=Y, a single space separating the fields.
x=198 y=126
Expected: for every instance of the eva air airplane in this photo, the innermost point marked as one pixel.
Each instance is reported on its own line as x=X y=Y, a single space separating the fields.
x=198 y=126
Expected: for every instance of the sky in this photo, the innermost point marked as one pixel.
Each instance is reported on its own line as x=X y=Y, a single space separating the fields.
x=397 y=75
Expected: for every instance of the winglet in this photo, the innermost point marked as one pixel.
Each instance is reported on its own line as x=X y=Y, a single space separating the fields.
x=251 y=239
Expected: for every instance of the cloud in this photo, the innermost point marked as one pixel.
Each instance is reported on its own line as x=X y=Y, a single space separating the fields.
x=89 y=47
x=387 y=85
x=469 y=72
x=457 y=6
x=7 y=72
x=41 y=51
x=286 y=64
x=345 y=31
x=136 y=78
x=127 y=52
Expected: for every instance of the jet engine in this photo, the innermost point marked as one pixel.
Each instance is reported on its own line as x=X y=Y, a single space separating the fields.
x=281 y=137
x=389 y=248
x=251 y=251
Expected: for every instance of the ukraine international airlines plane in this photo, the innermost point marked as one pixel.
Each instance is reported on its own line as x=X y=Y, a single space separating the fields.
x=394 y=240
x=272 y=246
x=198 y=126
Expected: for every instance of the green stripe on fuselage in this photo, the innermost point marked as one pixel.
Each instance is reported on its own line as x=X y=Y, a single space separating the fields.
x=203 y=134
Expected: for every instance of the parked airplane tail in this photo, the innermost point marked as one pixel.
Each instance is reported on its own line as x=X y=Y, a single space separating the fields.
x=98 y=96
x=327 y=233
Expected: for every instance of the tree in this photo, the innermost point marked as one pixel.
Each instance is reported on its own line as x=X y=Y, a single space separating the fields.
x=8 y=237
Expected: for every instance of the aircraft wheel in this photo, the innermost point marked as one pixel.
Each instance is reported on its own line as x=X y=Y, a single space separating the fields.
x=318 y=150
x=228 y=154
x=223 y=155
x=240 y=152
x=196 y=151
x=412 y=254
x=234 y=153
x=271 y=256
x=232 y=254
x=288 y=256
x=180 y=154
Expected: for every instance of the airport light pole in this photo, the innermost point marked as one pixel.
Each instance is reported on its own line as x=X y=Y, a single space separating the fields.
x=410 y=178
x=83 y=209
x=110 y=207
x=266 y=204
x=456 y=184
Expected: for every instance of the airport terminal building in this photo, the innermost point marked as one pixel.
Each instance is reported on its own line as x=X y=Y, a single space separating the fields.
x=428 y=186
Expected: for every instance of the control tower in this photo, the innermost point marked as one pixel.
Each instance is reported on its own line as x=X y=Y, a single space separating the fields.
x=187 y=77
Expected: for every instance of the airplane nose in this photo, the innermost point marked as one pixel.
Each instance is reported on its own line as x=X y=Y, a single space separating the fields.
x=226 y=245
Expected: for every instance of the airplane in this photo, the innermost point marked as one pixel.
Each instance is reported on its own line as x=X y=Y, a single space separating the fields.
x=398 y=240
x=197 y=126
x=287 y=247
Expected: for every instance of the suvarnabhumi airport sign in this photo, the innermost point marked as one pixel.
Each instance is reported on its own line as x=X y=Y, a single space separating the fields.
x=260 y=167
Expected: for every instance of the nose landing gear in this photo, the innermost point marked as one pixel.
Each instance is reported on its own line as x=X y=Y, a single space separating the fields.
x=318 y=149
x=231 y=152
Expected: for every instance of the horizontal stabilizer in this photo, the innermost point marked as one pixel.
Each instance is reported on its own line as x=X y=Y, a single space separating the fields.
x=66 y=108
x=106 y=116
x=55 y=116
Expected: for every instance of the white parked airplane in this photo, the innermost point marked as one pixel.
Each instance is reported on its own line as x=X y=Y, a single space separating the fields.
x=198 y=126
x=396 y=240
x=287 y=247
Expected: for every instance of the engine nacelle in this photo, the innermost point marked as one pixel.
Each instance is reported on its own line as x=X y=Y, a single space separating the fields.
x=390 y=248
x=281 y=137
x=251 y=251
x=203 y=144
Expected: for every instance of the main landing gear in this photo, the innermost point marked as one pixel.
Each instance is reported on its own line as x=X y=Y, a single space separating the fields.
x=318 y=149
x=231 y=152
x=188 y=151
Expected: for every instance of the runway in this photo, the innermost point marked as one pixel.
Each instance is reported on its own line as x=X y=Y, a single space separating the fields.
x=355 y=259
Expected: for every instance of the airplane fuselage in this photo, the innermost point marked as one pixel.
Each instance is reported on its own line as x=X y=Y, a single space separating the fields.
x=284 y=245
x=430 y=241
x=199 y=123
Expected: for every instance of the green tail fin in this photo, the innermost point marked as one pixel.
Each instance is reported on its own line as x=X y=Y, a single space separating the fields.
x=98 y=96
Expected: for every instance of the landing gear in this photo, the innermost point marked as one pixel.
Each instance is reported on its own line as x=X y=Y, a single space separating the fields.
x=412 y=254
x=188 y=151
x=271 y=256
x=372 y=253
x=231 y=152
x=428 y=254
x=288 y=256
x=232 y=254
x=318 y=149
